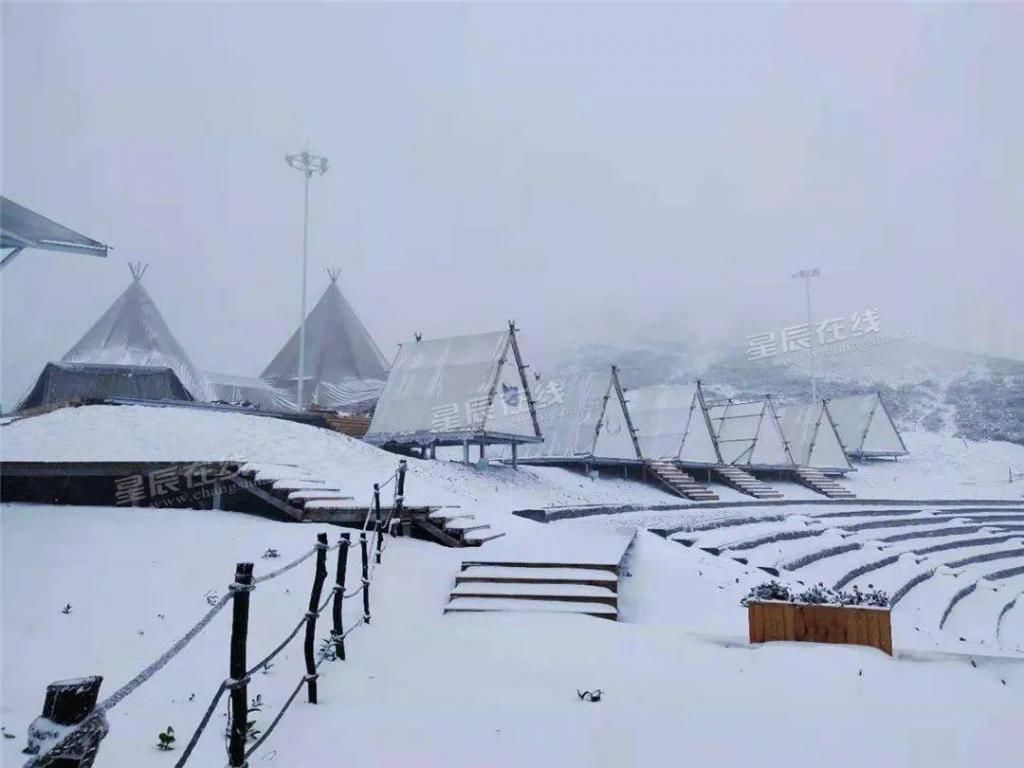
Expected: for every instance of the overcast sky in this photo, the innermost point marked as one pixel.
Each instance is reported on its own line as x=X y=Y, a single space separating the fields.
x=624 y=172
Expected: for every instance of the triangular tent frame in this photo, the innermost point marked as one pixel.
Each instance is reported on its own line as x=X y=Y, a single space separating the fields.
x=813 y=438
x=444 y=392
x=692 y=444
x=767 y=428
x=866 y=428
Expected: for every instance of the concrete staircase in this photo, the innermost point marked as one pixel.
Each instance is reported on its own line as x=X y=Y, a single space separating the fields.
x=744 y=482
x=590 y=589
x=821 y=483
x=679 y=482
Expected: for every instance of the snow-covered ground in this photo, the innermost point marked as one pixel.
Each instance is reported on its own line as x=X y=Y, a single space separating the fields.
x=423 y=688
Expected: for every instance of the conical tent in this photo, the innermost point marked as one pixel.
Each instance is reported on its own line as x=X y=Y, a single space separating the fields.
x=748 y=434
x=865 y=427
x=812 y=437
x=343 y=366
x=452 y=390
x=133 y=332
x=670 y=422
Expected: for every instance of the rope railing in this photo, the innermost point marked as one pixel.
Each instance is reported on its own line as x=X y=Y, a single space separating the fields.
x=79 y=741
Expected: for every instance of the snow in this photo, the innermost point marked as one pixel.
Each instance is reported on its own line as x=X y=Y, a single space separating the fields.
x=678 y=676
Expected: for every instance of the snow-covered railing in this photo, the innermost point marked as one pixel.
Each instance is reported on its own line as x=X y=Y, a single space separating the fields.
x=73 y=724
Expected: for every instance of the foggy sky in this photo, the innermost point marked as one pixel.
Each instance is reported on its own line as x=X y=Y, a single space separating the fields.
x=621 y=172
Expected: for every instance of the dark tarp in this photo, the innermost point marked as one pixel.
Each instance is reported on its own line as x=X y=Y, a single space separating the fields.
x=65 y=382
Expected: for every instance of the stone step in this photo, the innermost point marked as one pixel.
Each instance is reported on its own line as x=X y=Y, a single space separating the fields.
x=512 y=605
x=535 y=591
x=538 y=569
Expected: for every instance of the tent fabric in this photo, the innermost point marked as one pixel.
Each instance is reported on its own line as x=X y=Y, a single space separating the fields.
x=67 y=382
x=245 y=390
x=749 y=434
x=439 y=389
x=24 y=228
x=580 y=417
x=343 y=366
x=671 y=423
x=812 y=437
x=865 y=427
x=133 y=332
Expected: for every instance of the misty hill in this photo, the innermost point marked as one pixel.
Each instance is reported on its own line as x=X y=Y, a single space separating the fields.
x=950 y=392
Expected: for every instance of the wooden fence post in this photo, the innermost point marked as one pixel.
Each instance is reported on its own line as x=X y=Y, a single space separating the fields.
x=366 y=580
x=400 y=500
x=339 y=595
x=376 y=510
x=237 y=731
x=68 y=703
x=319 y=575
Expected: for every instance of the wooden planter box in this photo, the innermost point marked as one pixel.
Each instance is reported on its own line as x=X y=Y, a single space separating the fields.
x=802 y=622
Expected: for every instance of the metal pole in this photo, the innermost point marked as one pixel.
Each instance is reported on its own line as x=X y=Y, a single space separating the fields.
x=810 y=326
x=302 y=318
x=807 y=274
x=308 y=163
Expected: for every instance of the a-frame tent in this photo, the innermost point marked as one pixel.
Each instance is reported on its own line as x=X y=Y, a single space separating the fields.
x=582 y=419
x=670 y=421
x=456 y=391
x=749 y=435
x=866 y=428
x=343 y=367
x=813 y=441
x=132 y=332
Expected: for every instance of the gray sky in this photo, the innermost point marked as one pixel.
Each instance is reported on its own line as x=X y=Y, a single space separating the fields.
x=610 y=171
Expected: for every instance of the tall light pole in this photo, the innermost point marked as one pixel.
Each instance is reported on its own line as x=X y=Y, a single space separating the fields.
x=807 y=275
x=309 y=164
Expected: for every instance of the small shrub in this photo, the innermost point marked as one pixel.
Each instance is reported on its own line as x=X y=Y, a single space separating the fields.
x=327 y=650
x=166 y=740
x=769 y=590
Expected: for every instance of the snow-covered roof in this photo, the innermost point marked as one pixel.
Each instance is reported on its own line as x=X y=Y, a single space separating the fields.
x=749 y=434
x=453 y=389
x=812 y=437
x=670 y=422
x=865 y=427
x=133 y=332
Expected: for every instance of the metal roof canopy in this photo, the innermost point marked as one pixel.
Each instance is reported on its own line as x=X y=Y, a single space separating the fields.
x=21 y=228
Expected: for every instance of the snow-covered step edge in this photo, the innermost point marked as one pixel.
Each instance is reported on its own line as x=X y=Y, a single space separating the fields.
x=310 y=494
x=511 y=605
x=559 y=575
x=301 y=484
x=514 y=589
